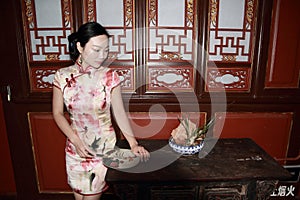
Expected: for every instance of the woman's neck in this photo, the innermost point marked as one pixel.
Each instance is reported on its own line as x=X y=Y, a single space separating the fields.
x=88 y=68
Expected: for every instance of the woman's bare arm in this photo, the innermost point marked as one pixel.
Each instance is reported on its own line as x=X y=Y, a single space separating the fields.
x=63 y=124
x=123 y=123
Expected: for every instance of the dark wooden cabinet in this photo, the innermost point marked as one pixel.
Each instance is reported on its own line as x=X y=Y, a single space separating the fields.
x=226 y=169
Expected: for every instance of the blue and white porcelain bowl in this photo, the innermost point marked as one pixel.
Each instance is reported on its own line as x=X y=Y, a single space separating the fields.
x=186 y=150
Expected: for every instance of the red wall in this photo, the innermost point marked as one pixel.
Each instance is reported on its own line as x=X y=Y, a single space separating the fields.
x=7 y=183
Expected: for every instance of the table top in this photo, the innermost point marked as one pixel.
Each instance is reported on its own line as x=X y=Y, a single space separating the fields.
x=220 y=160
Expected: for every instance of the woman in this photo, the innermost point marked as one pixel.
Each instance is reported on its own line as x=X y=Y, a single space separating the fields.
x=88 y=89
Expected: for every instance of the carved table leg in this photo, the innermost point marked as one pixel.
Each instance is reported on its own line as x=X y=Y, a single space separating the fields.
x=265 y=188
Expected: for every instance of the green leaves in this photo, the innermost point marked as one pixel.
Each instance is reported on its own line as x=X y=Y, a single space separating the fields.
x=208 y=125
x=197 y=134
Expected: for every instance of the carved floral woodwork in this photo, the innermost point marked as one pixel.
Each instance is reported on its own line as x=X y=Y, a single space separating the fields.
x=46 y=27
x=121 y=27
x=235 y=79
x=126 y=76
x=42 y=78
x=265 y=188
x=233 y=192
x=90 y=10
x=170 y=78
x=171 y=39
x=171 y=33
x=231 y=40
x=232 y=30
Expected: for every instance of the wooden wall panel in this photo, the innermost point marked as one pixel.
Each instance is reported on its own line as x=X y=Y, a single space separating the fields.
x=269 y=130
x=159 y=125
x=284 y=48
x=48 y=144
x=7 y=182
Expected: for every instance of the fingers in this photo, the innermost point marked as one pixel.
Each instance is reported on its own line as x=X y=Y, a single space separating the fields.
x=85 y=152
x=82 y=150
x=90 y=152
x=141 y=152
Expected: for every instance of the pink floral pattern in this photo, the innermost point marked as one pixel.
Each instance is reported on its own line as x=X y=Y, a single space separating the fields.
x=87 y=96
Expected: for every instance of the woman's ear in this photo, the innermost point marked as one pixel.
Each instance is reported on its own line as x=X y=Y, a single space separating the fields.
x=79 y=47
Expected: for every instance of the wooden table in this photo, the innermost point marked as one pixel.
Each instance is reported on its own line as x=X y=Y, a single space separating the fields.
x=227 y=169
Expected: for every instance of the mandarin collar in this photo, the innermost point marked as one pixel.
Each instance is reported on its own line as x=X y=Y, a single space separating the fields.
x=88 y=70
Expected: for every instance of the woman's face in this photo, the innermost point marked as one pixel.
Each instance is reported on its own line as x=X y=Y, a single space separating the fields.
x=95 y=51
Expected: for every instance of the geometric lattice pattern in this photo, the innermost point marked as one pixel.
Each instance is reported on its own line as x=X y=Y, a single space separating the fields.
x=171 y=34
x=47 y=25
x=231 y=30
x=170 y=40
x=118 y=18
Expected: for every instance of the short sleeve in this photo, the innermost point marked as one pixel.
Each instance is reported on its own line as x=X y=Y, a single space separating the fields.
x=57 y=79
x=112 y=79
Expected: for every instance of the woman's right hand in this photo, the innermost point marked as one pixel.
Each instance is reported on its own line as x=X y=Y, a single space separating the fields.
x=81 y=148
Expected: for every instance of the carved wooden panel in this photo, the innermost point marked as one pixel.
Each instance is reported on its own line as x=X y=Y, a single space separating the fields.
x=48 y=144
x=46 y=40
x=230 y=79
x=284 y=47
x=226 y=192
x=269 y=130
x=231 y=39
x=118 y=17
x=231 y=30
x=126 y=74
x=46 y=27
x=265 y=188
x=161 y=79
x=42 y=78
x=171 y=29
x=171 y=34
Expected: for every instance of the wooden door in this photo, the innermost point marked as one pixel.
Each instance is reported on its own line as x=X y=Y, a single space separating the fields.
x=7 y=181
x=23 y=101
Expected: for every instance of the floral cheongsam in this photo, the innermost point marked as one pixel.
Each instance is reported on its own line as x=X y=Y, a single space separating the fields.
x=87 y=97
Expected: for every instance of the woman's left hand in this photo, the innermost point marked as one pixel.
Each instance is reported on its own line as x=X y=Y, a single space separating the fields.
x=141 y=152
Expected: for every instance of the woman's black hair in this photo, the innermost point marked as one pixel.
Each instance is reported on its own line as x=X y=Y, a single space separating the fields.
x=83 y=35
